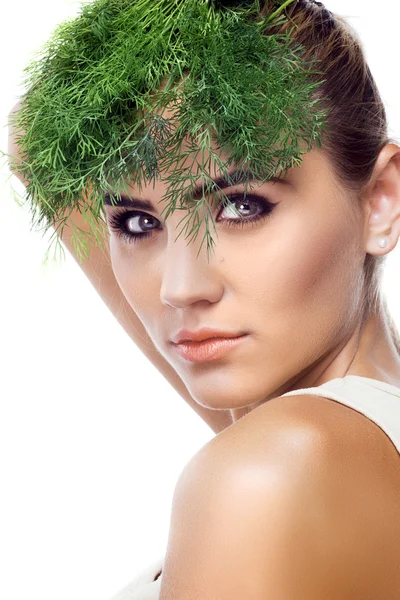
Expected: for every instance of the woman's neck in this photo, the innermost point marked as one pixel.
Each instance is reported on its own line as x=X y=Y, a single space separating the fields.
x=368 y=351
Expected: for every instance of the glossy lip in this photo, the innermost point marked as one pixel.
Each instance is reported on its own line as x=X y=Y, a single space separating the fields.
x=185 y=335
x=207 y=350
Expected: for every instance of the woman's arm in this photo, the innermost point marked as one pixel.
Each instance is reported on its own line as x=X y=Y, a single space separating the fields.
x=99 y=271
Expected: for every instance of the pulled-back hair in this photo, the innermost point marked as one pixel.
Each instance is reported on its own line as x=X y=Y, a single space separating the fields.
x=357 y=126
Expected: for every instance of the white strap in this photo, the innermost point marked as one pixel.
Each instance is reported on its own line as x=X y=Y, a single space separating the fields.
x=143 y=586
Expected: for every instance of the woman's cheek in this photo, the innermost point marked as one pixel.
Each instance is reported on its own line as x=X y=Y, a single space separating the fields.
x=139 y=284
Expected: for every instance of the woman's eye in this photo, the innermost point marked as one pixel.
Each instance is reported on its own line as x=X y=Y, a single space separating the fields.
x=246 y=211
x=140 y=223
x=242 y=208
x=135 y=226
x=132 y=225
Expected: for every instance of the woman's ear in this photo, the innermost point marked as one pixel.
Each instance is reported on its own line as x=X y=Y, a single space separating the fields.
x=382 y=203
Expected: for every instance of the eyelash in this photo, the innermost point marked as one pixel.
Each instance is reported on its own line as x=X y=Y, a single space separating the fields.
x=118 y=221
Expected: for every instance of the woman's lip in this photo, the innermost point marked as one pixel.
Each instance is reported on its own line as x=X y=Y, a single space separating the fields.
x=207 y=350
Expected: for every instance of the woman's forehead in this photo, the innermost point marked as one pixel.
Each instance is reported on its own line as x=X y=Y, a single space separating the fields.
x=314 y=165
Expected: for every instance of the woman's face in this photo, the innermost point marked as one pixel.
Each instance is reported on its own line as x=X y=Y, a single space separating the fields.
x=289 y=276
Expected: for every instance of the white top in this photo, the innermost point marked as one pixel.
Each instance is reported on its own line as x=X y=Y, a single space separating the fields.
x=376 y=400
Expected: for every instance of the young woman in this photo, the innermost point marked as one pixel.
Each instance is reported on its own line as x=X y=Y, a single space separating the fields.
x=298 y=496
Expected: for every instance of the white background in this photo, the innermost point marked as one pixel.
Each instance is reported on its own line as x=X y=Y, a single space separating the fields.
x=92 y=437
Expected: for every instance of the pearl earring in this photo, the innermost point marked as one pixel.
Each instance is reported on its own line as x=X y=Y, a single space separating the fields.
x=383 y=243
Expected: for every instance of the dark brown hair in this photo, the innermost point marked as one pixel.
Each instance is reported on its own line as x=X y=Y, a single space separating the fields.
x=357 y=126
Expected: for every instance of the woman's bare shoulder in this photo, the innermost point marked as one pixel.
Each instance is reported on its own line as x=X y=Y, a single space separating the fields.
x=310 y=454
x=358 y=464
x=339 y=433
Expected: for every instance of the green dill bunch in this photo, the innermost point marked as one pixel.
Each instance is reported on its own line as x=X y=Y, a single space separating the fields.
x=93 y=117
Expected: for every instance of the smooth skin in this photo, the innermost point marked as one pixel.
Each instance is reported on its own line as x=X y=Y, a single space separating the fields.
x=293 y=281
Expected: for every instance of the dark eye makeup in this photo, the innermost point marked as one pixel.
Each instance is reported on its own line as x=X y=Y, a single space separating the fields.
x=118 y=221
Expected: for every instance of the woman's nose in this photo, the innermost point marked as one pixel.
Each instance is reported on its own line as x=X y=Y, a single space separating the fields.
x=188 y=274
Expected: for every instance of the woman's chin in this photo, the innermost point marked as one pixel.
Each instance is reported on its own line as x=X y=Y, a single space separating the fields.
x=225 y=395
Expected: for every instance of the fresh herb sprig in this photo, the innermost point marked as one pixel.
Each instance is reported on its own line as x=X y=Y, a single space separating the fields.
x=93 y=117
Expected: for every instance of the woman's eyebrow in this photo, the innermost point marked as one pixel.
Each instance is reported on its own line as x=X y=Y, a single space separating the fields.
x=124 y=200
x=235 y=177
